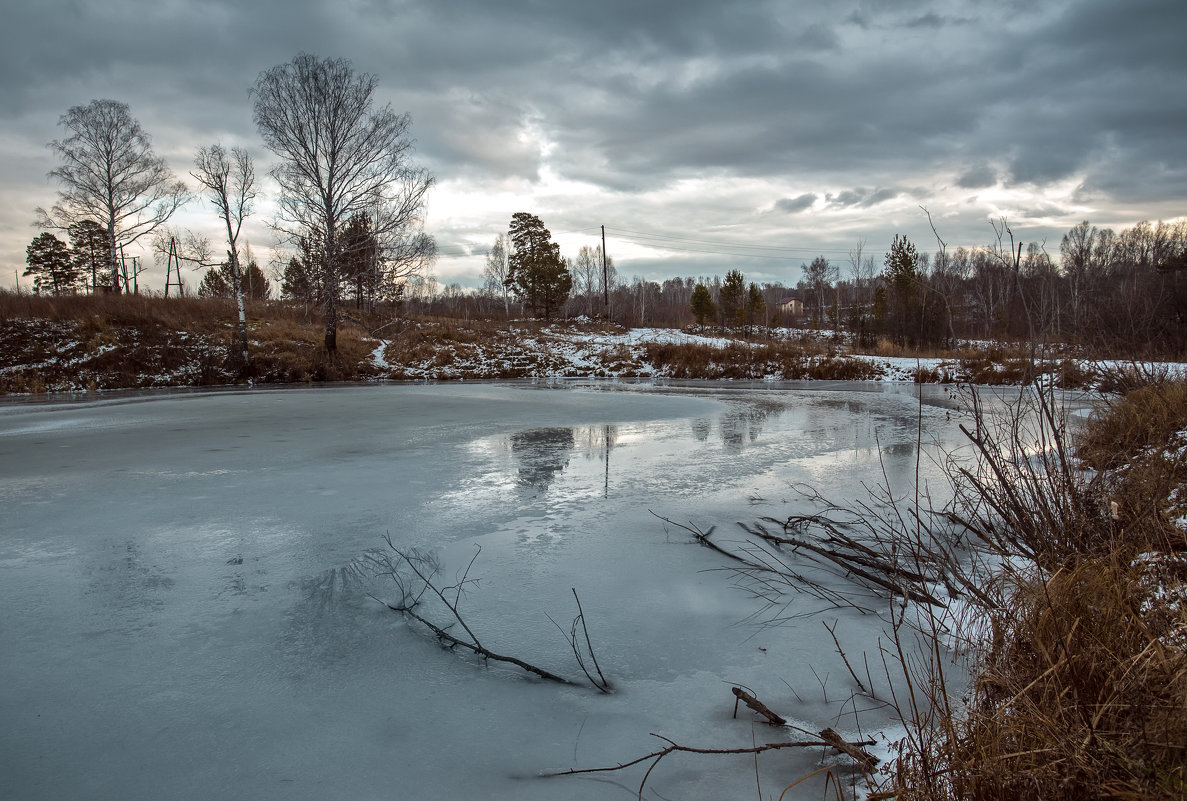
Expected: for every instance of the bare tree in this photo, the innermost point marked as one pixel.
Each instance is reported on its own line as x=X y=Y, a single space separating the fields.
x=339 y=156
x=497 y=270
x=819 y=274
x=587 y=275
x=405 y=257
x=856 y=260
x=109 y=173
x=230 y=185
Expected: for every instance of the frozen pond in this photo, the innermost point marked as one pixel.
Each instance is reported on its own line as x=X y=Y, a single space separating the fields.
x=174 y=626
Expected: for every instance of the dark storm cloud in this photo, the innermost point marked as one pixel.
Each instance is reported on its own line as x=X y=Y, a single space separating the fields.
x=627 y=99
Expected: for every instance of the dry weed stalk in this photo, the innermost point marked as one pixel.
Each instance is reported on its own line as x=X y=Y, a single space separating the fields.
x=1080 y=687
x=1072 y=618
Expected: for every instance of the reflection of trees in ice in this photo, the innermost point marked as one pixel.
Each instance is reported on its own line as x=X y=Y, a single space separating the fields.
x=702 y=427
x=324 y=629
x=595 y=441
x=739 y=428
x=128 y=580
x=542 y=453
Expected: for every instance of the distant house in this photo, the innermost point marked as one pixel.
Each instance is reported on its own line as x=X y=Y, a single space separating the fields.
x=793 y=306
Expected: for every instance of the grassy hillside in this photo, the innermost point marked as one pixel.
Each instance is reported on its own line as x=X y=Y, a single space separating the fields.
x=78 y=343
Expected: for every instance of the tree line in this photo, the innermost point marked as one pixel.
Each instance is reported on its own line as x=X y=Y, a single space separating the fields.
x=350 y=203
x=1122 y=292
x=349 y=198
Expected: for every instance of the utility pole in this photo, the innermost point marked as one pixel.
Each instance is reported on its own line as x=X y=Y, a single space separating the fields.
x=123 y=270
x=605 y=274
x=174 y=258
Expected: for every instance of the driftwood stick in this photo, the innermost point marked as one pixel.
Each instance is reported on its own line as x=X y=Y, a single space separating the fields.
x=864 y=758
x=758 y=706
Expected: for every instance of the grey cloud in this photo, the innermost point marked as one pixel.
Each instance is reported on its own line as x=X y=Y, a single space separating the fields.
x=977 y=178
x=862 y=198
x=929 y=20
x=1044 y=211
x=791 y=205
x=633 y=97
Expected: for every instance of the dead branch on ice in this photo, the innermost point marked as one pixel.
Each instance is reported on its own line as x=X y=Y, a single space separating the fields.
x=412 y=592
x=827 y=738
x=758 y=706
x=574 y=641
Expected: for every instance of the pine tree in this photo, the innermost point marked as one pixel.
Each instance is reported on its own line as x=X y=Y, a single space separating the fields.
x=901 y=275
x=731 y=300
x=360 y=270
x=755 y=305
x=219 y=282
x=702 y=305
x=52 y=266
x=538 y=274
x=88 y=242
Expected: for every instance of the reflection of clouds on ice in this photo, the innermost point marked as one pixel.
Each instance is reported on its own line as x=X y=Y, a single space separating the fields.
x=125 y=581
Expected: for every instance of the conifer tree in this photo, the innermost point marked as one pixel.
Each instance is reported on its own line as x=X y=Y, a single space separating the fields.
x=51 y=265
x=731 y=300
x=538 y=274
x=702 y=305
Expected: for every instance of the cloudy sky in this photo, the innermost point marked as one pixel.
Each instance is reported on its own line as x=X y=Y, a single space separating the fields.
x=705 y=135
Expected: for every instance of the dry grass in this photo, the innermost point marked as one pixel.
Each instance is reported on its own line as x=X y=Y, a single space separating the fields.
x=739 y=361
x=112 y=342
x=1083 y=691
x=1080 y=687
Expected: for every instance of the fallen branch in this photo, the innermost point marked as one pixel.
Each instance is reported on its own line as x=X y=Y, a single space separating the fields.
x=482 y=651
x=600 y=681
x=410 y=599
x=827 y=738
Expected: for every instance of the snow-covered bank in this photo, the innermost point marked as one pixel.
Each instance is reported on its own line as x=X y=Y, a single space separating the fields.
x=43 y=355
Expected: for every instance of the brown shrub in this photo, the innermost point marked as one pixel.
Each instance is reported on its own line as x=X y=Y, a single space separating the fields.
x=1080 y=678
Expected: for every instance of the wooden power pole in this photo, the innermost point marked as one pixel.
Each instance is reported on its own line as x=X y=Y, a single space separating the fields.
x=605 y=274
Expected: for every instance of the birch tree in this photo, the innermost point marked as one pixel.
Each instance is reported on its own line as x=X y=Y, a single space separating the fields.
x=497 y=270
x=110 y=174
x=339 y=156
x=229 y=180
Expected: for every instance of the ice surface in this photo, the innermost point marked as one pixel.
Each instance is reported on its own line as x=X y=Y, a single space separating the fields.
x=176 y=625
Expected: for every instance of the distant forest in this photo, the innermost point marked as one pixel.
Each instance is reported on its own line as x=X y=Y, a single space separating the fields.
x=1122 y=293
